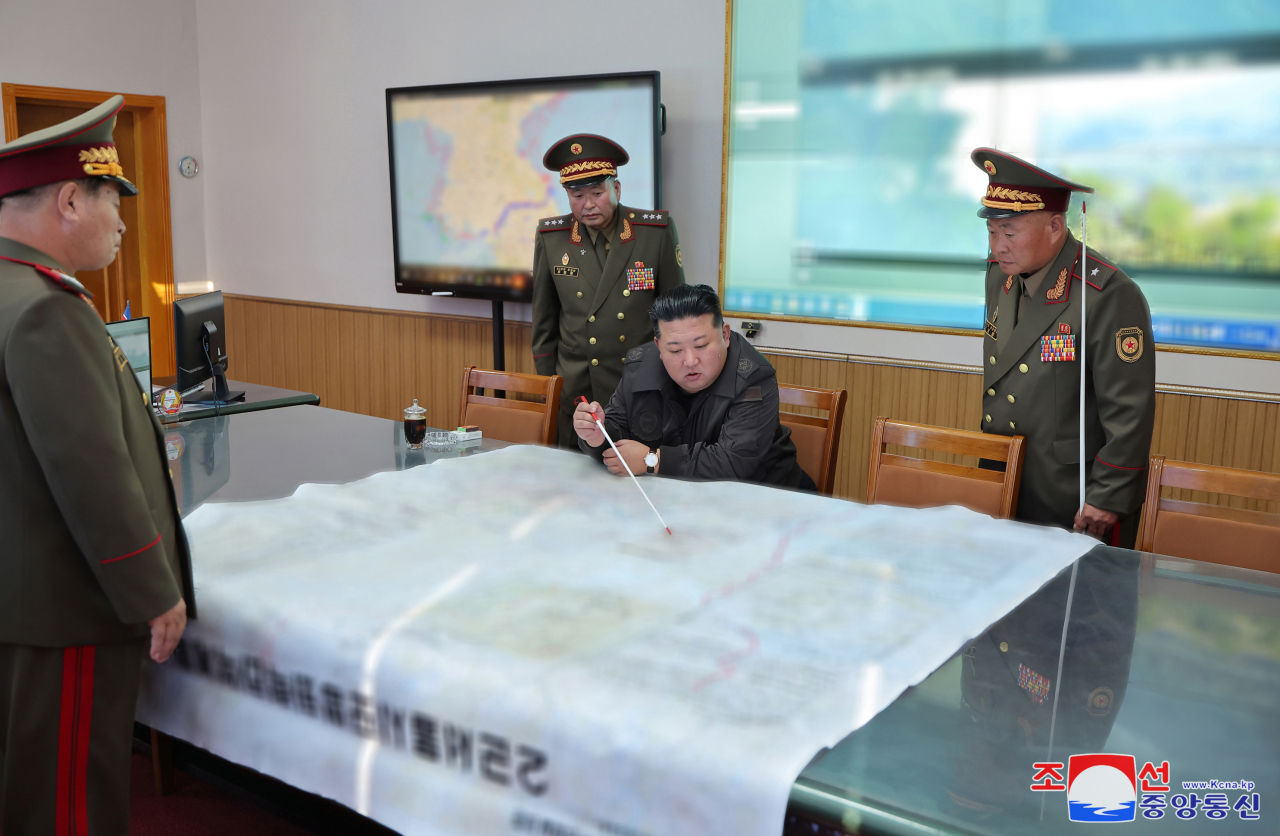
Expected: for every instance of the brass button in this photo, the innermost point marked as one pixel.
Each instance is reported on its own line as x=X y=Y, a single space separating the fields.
x=621 y=315
x=622 y=338
x=1012 y=426
x=992 y=360
x=991 y=392
x=579 y=294
x=1022 y=367
x=988 y=417
x=626 y=292
x=595 y=362
x=592 y=340
x=632 y=215
x=591 y=319
x=624 y=359
x=1011 y=399
x=1004 y=647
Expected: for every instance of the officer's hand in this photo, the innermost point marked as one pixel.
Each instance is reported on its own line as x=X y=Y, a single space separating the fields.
x=1095 y=522
x=584 y=423
x=166 y=629
x=633 y=451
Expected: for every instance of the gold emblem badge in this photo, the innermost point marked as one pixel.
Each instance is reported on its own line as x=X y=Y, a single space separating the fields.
x=102 y=161
x=564 y=259
x=575 y=148
x=1129 y=344
x=990 y=167
x=679 y=262
x=1008 y=283
x=1059 y=287
x=1100 y=700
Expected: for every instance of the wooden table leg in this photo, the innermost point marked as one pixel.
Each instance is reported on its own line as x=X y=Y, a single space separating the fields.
x=162 y=762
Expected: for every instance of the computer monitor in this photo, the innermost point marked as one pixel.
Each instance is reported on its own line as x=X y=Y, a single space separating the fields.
x=134 y=338
x=200 y=337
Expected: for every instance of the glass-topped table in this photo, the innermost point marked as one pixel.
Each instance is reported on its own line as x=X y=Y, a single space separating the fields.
x=1165 y=660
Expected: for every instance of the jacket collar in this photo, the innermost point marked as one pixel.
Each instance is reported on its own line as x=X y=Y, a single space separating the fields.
x=17 y=250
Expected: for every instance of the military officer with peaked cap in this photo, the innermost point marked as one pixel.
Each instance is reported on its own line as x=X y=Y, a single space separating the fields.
x=596 y=271
x=94 y=564
x=1031 y=371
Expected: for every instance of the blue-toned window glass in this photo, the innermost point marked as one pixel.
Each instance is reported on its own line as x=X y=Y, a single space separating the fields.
x=850 y=191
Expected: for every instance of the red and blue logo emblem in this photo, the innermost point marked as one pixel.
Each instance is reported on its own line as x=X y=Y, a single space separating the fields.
x=1102 y=788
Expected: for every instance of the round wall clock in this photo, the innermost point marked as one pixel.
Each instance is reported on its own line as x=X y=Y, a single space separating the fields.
x=188 y=166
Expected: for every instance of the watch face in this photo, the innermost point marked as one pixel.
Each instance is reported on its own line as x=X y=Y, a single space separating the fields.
x=650 y=459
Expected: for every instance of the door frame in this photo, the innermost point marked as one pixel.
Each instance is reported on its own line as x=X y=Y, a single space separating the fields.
x=155 y=239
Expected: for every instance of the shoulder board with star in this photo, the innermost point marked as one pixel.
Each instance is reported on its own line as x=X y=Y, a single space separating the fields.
x=1098 y=272
x=555 y=224
x=60 y=279
x=650 y=218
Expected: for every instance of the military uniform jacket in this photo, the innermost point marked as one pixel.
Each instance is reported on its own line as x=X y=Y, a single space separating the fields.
x=92 y=543
x=731 y=431
x=1031 y=385
x=584 y=318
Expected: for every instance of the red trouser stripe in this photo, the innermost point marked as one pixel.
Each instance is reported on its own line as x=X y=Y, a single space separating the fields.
x=72 y=815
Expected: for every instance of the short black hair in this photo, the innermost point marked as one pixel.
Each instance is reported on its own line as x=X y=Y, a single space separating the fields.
x=91 y=186
x=686 y=301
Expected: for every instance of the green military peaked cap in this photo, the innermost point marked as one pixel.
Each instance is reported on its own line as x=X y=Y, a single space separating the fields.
x=71 y=150
x=1017 y=187
x=585 y=159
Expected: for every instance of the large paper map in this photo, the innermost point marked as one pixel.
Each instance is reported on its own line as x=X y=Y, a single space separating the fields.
x=510 y=643
x=470 y=184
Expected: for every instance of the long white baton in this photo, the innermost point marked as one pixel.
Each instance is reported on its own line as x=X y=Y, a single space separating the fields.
x=600 y=424
x=1080 y=350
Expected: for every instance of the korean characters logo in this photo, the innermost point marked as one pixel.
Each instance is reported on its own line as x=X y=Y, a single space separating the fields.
x=1110 y=788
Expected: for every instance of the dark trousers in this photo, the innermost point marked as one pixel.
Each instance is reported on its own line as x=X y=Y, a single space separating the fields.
x=66 y=728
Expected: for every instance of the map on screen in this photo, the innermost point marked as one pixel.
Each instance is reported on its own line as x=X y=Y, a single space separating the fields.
x=468 y=181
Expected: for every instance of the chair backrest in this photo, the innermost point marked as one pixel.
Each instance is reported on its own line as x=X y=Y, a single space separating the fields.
x=817 y=439
x=923 y=483
x=507 y=419
x=1211 y=533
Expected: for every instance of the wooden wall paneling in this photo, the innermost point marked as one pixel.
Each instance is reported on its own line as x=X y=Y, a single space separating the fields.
x=375 y=362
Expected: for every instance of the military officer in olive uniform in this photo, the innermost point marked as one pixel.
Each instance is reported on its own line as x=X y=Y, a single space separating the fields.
x=596 y=271
x=93 y=562
x=1031 y=365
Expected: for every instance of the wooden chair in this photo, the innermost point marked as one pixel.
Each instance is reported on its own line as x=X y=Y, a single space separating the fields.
x=517 y=421
x=817 y=440
x=1211 y=533
x=922 y=483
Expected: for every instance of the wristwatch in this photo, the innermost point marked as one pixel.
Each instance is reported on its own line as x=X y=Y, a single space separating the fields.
x=651 y=460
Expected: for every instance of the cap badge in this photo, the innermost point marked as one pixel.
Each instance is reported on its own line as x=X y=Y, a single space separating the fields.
x=1059 y=287
x=990 y=167
x=1129 y=344
x=564 y=259
x=101 y=161
x=575 y=148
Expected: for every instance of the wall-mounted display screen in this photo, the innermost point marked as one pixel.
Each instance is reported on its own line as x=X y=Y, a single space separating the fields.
x=851 y=195
x=467 y=181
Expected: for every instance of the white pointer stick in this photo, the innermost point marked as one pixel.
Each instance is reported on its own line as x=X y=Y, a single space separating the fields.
x=626 y=466
x=1084 y=274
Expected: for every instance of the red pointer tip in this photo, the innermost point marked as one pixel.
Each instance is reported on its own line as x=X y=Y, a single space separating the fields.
x=669 y=532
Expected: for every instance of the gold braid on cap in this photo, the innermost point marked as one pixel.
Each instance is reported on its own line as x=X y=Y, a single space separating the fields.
x=102 y=162
x=1014 y=200
x=587 y=168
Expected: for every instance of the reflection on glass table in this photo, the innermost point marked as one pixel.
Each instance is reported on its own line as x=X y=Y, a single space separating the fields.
x=268 y=454
x=1165 y=661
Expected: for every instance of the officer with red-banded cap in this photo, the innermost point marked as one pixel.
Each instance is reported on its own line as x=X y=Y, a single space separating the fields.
x=1031 y=374
x=94 y=566
x=596 y=271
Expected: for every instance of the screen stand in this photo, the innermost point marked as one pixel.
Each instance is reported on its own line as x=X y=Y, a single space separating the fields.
x=499 y=344
x=220 y=396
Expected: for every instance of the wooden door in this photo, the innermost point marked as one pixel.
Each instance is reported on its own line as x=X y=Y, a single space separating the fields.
x=142 y=274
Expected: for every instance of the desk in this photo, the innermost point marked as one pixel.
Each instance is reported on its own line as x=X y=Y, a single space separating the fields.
x=267 y=454
x=256 y=398
x=1195 y=644
x=1203 y=694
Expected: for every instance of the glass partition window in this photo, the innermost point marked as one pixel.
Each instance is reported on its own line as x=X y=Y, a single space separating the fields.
x=850 y=191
